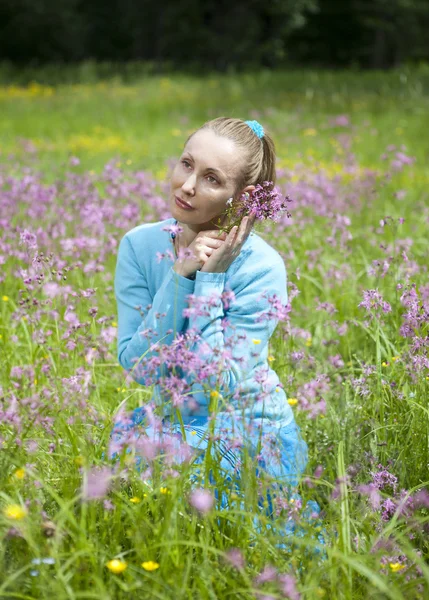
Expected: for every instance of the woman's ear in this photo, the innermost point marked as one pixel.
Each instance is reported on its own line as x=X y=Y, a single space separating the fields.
x=249 y=189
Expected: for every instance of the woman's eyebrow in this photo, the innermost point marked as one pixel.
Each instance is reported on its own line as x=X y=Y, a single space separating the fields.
x=211 y=168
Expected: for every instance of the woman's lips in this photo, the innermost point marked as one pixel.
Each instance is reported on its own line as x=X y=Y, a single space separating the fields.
x=181 y=204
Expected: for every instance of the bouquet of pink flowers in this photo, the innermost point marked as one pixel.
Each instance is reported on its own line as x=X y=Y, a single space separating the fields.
x=265 y=202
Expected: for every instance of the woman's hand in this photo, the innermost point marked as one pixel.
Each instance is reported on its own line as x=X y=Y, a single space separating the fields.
x=200 y=250
x=224 y=256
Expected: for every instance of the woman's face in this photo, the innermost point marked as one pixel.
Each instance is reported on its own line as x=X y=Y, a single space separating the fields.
x=205 y=177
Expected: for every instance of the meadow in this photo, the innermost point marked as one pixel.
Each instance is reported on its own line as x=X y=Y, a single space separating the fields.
x=81 y=164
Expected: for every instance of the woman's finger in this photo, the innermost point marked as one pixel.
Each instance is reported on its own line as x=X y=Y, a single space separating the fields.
x=232 y=234
x=244 y=230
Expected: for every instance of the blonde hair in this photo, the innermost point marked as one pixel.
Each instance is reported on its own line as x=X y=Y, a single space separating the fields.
x=259 y=154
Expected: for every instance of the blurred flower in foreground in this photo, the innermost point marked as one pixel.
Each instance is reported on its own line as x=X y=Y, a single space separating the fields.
x=96 y=483
x=235 y=558
x=20 y=473
x=116 y=566
x=202 y=500
x=15 y=512
x=288 y=587
x=150 y=565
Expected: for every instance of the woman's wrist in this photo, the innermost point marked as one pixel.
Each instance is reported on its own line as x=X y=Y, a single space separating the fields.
x=186 y=274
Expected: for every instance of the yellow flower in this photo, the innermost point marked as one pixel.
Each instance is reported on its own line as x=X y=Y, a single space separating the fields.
x=116 y=566
x=214 y=394
x=20 y=473
x=271 y=358
x=256 y=341
x=164 y=490
x=150 y=565
x=310 y=131
x=79 y=461
x=15 y=512
x=394 y=358
x=5 y=298
x=193 y=433
x=114 y=324
x=135 y=500
x=384 y=364
x=292 y=401
x=309 y=341
x=396 y=567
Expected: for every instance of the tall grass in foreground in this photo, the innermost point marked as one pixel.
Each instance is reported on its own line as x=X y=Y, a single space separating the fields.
x=352 y=355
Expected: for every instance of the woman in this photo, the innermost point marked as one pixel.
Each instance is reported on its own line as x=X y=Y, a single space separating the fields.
x=242 y=279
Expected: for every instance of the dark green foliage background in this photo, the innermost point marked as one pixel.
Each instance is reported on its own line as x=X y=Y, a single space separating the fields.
x=217 y=35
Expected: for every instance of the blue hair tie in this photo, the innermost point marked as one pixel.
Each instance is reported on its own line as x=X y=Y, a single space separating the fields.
x=256 y=128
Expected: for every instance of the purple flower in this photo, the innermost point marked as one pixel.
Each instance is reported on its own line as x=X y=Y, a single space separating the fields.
x=373 y=494
x=269 y=573
x=202 y=500
x=97 y=483
x=235 y=558
x=265 y=202
x=288 y=587
x=373 y=303
x=421 y=499
x=388 y=509
x=383 y=479
x=28 y=239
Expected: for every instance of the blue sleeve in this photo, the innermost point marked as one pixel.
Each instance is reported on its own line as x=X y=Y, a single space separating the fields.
x=251 y=319
x=138 y=314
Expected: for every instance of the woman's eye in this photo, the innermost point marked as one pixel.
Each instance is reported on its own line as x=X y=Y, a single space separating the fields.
x=213 y=180
x=186 y=163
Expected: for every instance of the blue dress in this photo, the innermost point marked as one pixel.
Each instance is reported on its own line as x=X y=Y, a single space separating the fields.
x=155 y=304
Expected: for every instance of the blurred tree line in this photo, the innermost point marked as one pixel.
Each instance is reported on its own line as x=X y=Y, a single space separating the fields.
x=216 y=34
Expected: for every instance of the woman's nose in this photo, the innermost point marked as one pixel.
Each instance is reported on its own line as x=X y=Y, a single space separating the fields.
x=189 y=184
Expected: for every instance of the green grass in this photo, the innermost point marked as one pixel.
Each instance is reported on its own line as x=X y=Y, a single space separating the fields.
x=140 y=122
